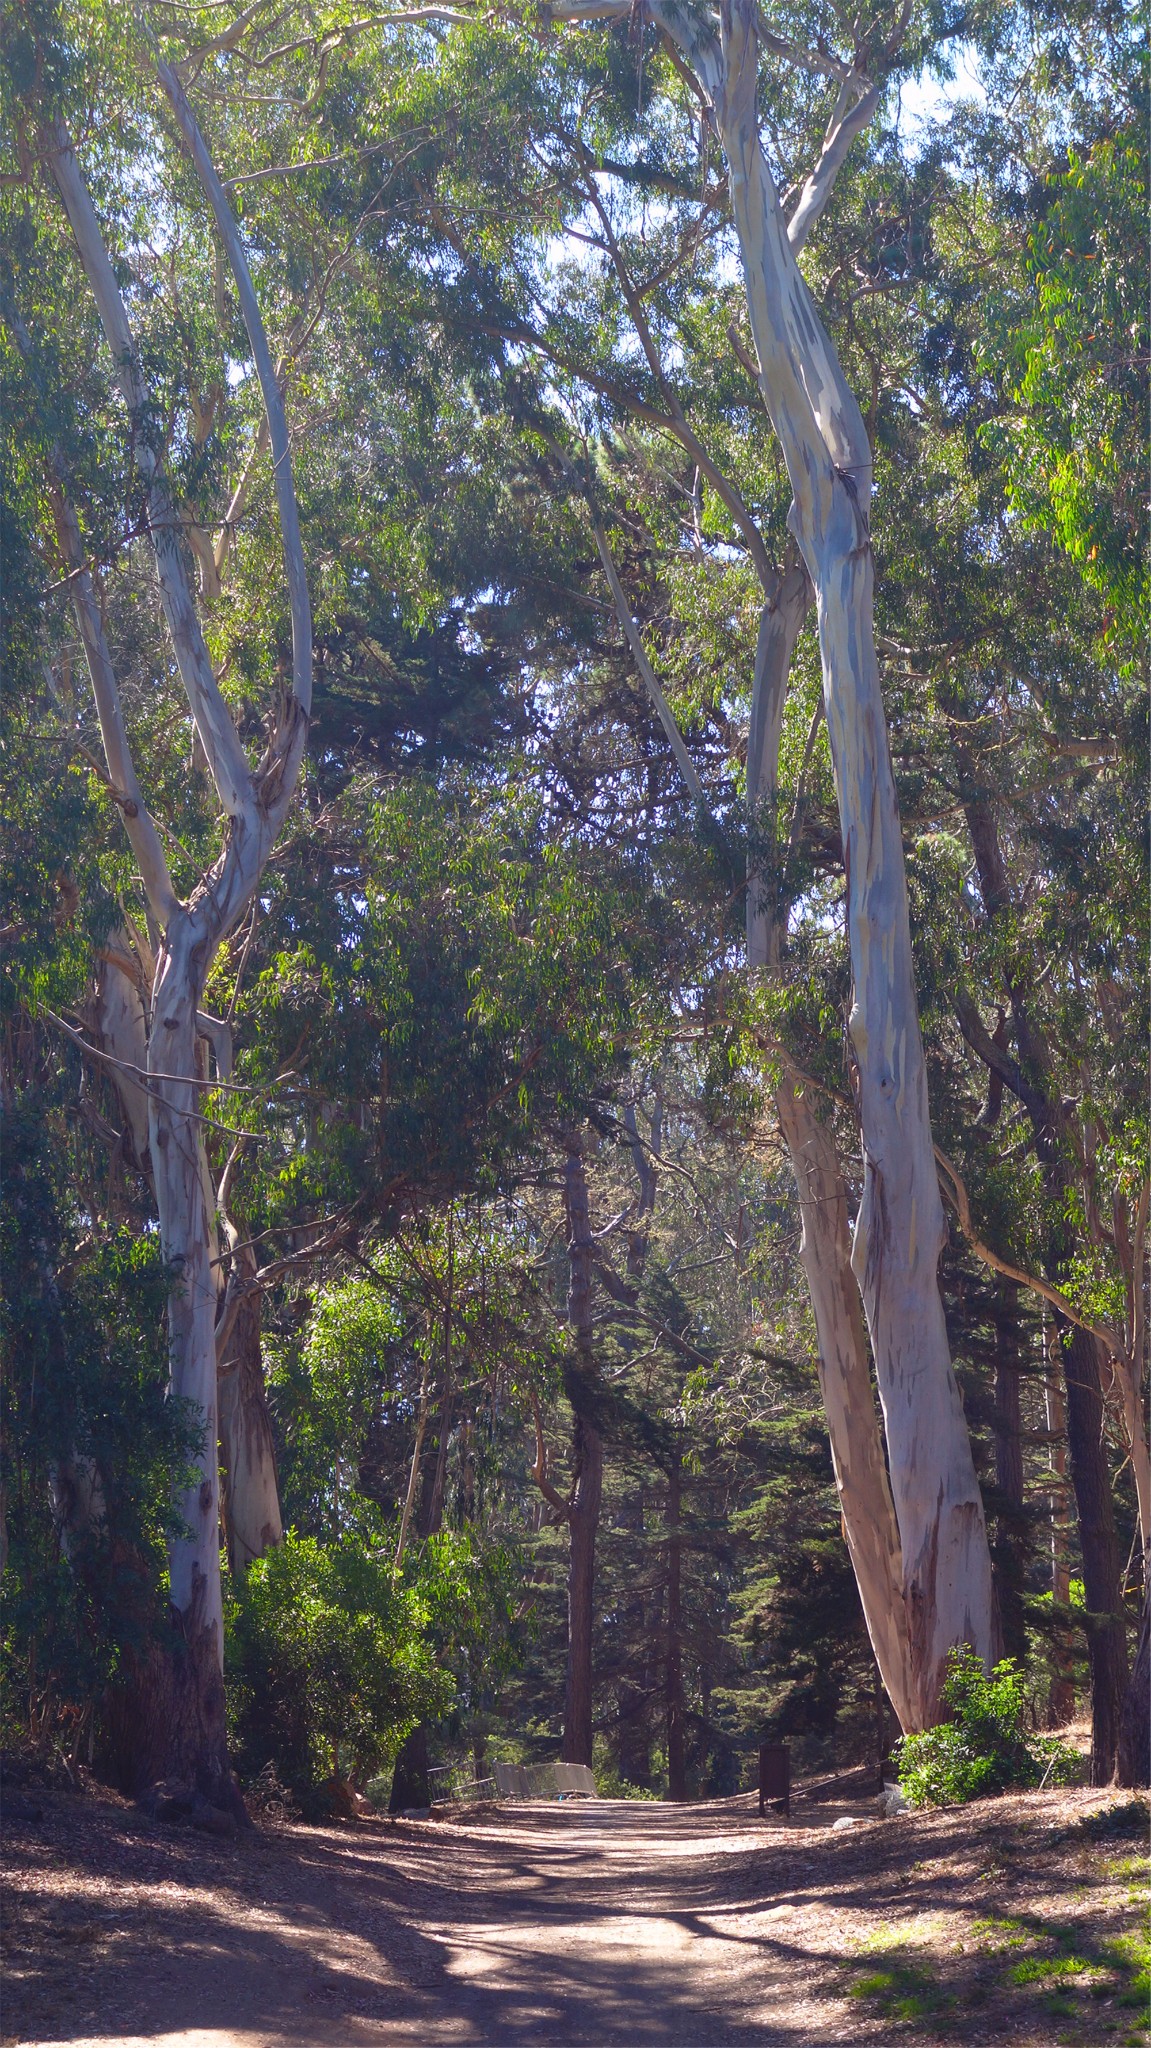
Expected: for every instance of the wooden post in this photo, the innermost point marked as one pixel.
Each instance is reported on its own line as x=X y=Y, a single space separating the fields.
x=774 y=1778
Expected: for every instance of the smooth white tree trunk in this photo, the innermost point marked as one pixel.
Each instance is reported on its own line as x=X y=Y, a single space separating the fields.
x=869 y=1523
x=177 y=1720
x=899 y=1230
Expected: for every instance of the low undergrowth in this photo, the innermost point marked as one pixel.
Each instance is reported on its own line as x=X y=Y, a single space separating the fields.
x=1071 y=1977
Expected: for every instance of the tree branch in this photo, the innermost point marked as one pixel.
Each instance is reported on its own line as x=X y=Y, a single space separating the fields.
x=269 y=384
x=817 y=187
x=227 y=760
x=539 y=1471
x=1103 y=1332
x=996 y=1058
x=684 y=762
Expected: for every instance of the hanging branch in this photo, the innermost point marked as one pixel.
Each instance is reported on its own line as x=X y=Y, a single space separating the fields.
x=1103 y=1332
x=684 y=762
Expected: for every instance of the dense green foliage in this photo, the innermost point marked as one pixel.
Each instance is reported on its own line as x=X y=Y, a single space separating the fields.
x=335 y=1653
x=985 y=1746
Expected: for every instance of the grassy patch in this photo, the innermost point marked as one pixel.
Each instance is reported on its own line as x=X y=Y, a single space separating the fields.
x=999 y=1936
x=1130 y=1957
x=896 y=1975
x=901 y=1989
x=1046 y=1969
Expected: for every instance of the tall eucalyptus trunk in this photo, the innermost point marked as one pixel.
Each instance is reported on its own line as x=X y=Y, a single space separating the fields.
x=899 y=1231
x=869 y=1523
x=944 y=1558
x=173 y=1722
x=250 y=1486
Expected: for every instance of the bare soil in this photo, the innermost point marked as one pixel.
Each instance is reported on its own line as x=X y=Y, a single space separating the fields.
x=1013 y=1920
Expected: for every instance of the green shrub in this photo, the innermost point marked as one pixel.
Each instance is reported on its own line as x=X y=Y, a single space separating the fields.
x=984 y=1746
x=334 y=1655
x=330 y=1661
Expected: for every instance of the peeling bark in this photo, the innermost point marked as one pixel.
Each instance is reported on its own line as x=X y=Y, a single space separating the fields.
x=899 y=1229
x=869 y=1521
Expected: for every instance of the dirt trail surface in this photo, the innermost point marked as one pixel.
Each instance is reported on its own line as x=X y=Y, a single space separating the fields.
x=1014 y=1920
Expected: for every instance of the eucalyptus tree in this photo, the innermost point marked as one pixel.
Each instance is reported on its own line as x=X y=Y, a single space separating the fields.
x=179 y=1708
x=1021 y=744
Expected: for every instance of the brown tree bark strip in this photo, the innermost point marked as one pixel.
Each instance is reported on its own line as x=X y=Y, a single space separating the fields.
x=1061 y=1696
x=1134 y=1760
x=674 y=1702
x=1008 y=1551
x=587 y=1451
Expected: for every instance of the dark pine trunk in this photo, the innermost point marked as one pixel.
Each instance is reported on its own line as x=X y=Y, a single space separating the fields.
x=1091 y=1480
x=583 y=1522
x=633 y=1680
x=581 y=1386
x=1036 y=1083
x=1009 y=1549
x=676 y=1730
x=1135 y=1723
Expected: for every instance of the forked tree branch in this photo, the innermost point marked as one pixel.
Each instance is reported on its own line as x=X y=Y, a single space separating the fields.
x=817 y=187
x=539 y=1471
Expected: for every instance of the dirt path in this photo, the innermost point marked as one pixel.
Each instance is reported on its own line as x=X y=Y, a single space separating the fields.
x=609 y=1923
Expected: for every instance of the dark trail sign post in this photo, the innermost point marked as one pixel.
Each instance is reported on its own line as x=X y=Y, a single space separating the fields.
x=774 y=1778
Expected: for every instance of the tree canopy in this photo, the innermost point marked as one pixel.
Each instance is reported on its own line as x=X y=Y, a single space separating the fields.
x=574 y=1005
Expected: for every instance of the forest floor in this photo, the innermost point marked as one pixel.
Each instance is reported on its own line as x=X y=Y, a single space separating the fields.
x=1014 y=1920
